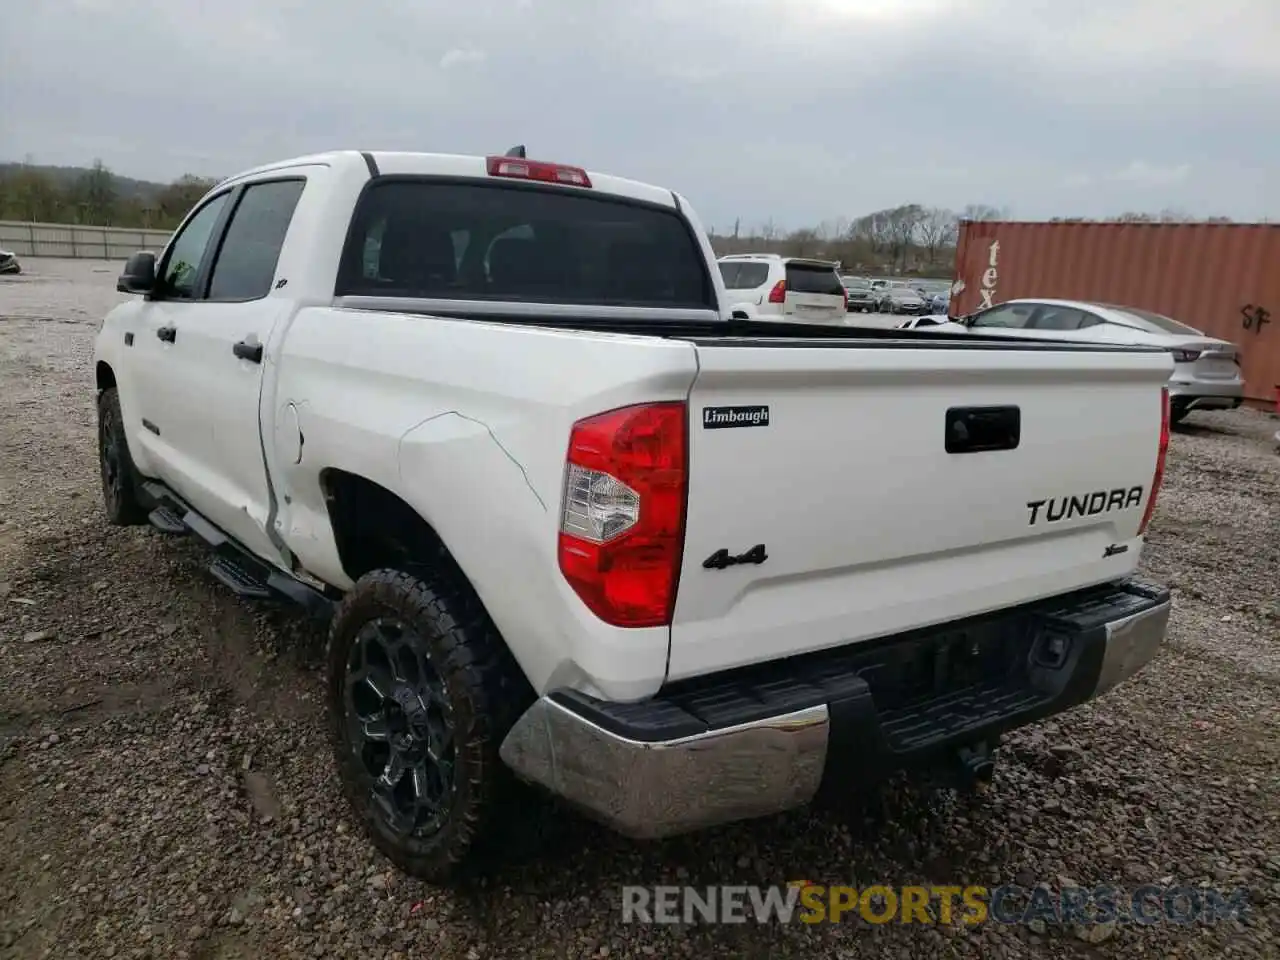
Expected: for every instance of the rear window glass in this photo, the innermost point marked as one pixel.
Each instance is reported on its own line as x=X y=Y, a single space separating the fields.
x=743 y=275
x=806 y=278
x=503 y=242
x=1157 y=323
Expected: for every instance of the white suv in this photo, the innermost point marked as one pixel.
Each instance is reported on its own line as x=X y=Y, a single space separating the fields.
x=770 y=286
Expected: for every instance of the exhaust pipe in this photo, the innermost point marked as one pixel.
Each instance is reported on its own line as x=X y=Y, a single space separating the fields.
x=976 y=765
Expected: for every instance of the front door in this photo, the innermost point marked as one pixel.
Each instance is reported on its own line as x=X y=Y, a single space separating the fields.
x=153 y=428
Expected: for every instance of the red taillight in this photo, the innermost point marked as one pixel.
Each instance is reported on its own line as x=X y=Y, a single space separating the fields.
x=1160 y=458
x=622 y=518
x=521 y=169
x=779 y=292
x=1185 y=356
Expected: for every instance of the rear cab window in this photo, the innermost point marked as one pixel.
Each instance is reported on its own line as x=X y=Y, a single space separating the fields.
x=477 y=241
x=813 y=278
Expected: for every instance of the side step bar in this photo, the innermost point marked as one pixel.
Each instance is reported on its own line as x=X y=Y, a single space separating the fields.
x=167 y=520
x=241 y=581
x=244 y=574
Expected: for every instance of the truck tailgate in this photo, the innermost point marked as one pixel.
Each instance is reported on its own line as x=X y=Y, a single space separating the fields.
x=834 y=457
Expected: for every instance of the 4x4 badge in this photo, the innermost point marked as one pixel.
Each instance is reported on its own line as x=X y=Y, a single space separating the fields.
x=722 y=558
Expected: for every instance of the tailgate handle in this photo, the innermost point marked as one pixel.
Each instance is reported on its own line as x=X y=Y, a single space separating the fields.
x=980 y=429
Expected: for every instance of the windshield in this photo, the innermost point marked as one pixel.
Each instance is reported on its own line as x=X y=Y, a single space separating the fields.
x=1156 y=323
x=902 y=293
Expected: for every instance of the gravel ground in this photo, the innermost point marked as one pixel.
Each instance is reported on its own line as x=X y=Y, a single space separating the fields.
x=166 y=789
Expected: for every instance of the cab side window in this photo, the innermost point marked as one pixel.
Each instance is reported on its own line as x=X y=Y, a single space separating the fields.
x=1009 y=316
x=182 y=263
x=246 y=262
x=1058 y=318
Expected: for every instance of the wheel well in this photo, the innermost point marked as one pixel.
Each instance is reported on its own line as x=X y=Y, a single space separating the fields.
x=374 y=528
x=105 y=376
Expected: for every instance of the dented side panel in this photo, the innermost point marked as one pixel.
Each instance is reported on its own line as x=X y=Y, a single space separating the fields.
x=468 y=422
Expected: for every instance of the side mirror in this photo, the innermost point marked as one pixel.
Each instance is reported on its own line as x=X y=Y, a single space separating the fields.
x=139 y=274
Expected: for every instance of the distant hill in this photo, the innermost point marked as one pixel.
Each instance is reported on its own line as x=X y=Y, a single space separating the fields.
x=127 y=188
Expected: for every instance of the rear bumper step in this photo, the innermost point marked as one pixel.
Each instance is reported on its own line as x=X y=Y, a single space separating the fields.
x=764 y=739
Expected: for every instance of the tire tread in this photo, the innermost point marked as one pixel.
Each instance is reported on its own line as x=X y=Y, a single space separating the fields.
x=467 y=650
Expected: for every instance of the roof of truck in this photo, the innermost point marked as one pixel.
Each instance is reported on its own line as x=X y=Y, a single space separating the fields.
x=400 y=163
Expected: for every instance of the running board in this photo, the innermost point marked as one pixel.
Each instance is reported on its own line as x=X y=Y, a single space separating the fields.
x=232 y=565
x=242 y=582
x=167 y=520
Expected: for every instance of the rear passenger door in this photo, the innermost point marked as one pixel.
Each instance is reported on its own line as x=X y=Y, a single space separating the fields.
x=214 y=371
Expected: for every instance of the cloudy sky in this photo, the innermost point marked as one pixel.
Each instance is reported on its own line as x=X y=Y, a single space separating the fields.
x=795 y=110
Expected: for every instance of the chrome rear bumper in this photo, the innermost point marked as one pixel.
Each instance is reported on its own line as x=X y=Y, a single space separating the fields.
x=648 y=790
x=647 y=785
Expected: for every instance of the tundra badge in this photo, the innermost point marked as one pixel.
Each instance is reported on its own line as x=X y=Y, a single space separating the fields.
x=1084 y=505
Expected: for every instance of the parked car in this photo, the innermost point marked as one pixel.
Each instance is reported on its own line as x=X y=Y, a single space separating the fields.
x=1206 y=370
x=861 y=297
x=561 y=515
x=901 y=300
x=9 y=262
x=768 y=286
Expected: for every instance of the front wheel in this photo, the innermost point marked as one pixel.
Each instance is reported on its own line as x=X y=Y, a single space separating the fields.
x=119 y=476
x=421 y=693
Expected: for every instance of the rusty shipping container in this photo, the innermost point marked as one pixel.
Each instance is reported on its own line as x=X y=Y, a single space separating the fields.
x=1223 y=279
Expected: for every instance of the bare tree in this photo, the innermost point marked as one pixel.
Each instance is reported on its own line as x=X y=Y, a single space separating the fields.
x=863 y=231
x=804 y=242
x=935 y=226
x=901 y=224
x=982 y=211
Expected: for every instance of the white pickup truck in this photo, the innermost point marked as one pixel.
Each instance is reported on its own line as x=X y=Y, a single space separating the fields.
x=570 y=518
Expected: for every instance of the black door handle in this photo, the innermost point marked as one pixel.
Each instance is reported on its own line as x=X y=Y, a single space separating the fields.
x=982 y=429
x=248 y=351
x=167 y=334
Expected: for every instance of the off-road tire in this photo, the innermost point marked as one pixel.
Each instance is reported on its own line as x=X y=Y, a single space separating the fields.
x=120 y=477
x=481 y=682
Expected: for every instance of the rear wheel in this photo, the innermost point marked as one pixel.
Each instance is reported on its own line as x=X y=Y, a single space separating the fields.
x=422 y=691
x=1178 y=412
x=119 y=476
